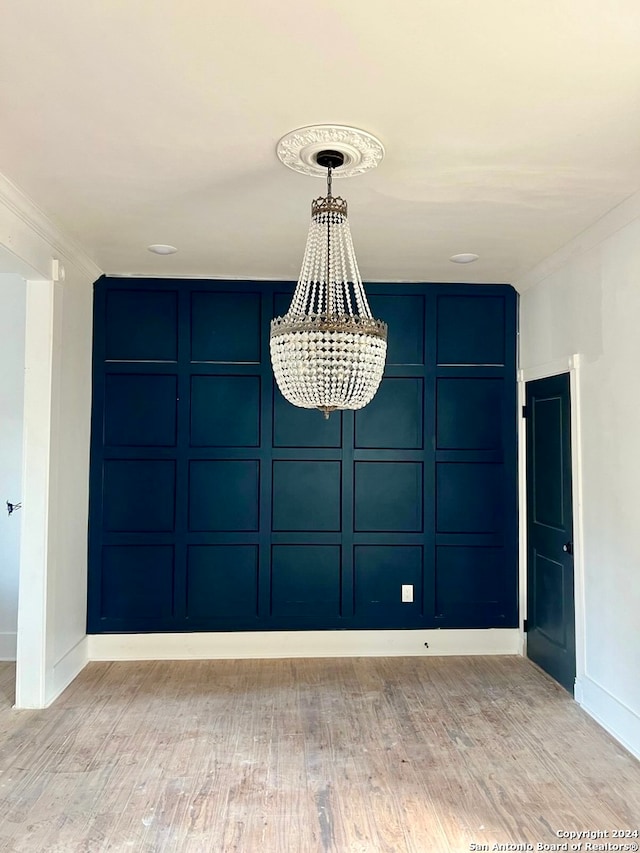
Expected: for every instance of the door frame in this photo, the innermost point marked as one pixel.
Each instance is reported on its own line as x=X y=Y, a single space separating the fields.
x=570 y=365
x=31 y=640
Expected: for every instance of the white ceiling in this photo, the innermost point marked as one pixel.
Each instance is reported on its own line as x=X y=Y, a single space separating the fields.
x=509 y=126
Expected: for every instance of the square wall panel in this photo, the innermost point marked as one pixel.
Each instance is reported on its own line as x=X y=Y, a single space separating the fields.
x=141 y=325
x=295 y=427
x=404 y=316
x=223 y=494
x=547 y=452
x=468 y=577
x=137 y=582
x=469 y=414
x=139 y=495
x=380 y=573
x=225 y=411
x=393 y=419
x=469 y=497
x=388 y=496
x=305 y=580
x=222 y=582
x=225 y=327
x=471 y=330
x=281 y=303
x=549 y=594
x=140 y=410
x=306 y=496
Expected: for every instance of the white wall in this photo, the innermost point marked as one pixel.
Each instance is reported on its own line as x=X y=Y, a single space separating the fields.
x=68 y=512
x=57 y=418
x=12 y=328
x=586 y=300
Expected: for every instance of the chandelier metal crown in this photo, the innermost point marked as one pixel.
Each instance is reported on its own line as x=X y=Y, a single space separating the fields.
x=328 y=351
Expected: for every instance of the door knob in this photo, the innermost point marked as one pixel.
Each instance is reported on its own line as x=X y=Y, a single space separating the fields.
x=568 y=547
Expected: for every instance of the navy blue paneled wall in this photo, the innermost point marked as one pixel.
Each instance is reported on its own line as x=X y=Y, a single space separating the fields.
x=216 y=505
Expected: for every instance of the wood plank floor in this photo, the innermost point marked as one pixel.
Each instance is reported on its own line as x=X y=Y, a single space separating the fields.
x=429 y=755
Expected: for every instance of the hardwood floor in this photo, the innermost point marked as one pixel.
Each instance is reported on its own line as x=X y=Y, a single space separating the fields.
x=429 y=755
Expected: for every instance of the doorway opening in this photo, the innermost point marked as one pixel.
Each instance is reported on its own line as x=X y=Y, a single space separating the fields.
x=12 y=379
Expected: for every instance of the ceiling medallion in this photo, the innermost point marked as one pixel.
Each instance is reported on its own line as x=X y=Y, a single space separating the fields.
x=299 y=149
x=328 y=351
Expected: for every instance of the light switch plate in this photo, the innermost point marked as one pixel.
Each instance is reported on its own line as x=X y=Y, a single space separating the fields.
x=407 y=593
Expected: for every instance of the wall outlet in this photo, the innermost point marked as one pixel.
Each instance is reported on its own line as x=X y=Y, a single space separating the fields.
x=407 y=593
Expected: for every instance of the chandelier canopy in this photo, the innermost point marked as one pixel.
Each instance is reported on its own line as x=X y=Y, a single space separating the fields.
x=328 y=352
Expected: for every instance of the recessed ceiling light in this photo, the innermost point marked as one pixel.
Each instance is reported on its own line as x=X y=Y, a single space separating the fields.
x=162 y=249
x=464 y=258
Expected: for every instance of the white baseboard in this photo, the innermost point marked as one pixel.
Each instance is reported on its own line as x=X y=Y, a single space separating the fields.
x=66 y=669
x=618 y=719
x=8 y=642
x=303 y=644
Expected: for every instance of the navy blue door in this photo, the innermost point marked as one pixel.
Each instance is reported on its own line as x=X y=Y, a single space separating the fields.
x=216 y=505
x=550 y=600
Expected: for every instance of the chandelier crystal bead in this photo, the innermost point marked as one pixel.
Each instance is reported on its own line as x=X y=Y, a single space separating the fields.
x=328 y=351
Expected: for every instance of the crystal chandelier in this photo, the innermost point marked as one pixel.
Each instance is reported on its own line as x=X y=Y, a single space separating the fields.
x=328 y=351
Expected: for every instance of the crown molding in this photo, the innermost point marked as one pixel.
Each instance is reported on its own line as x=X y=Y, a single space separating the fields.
x=36 y=220
x=623 y=214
